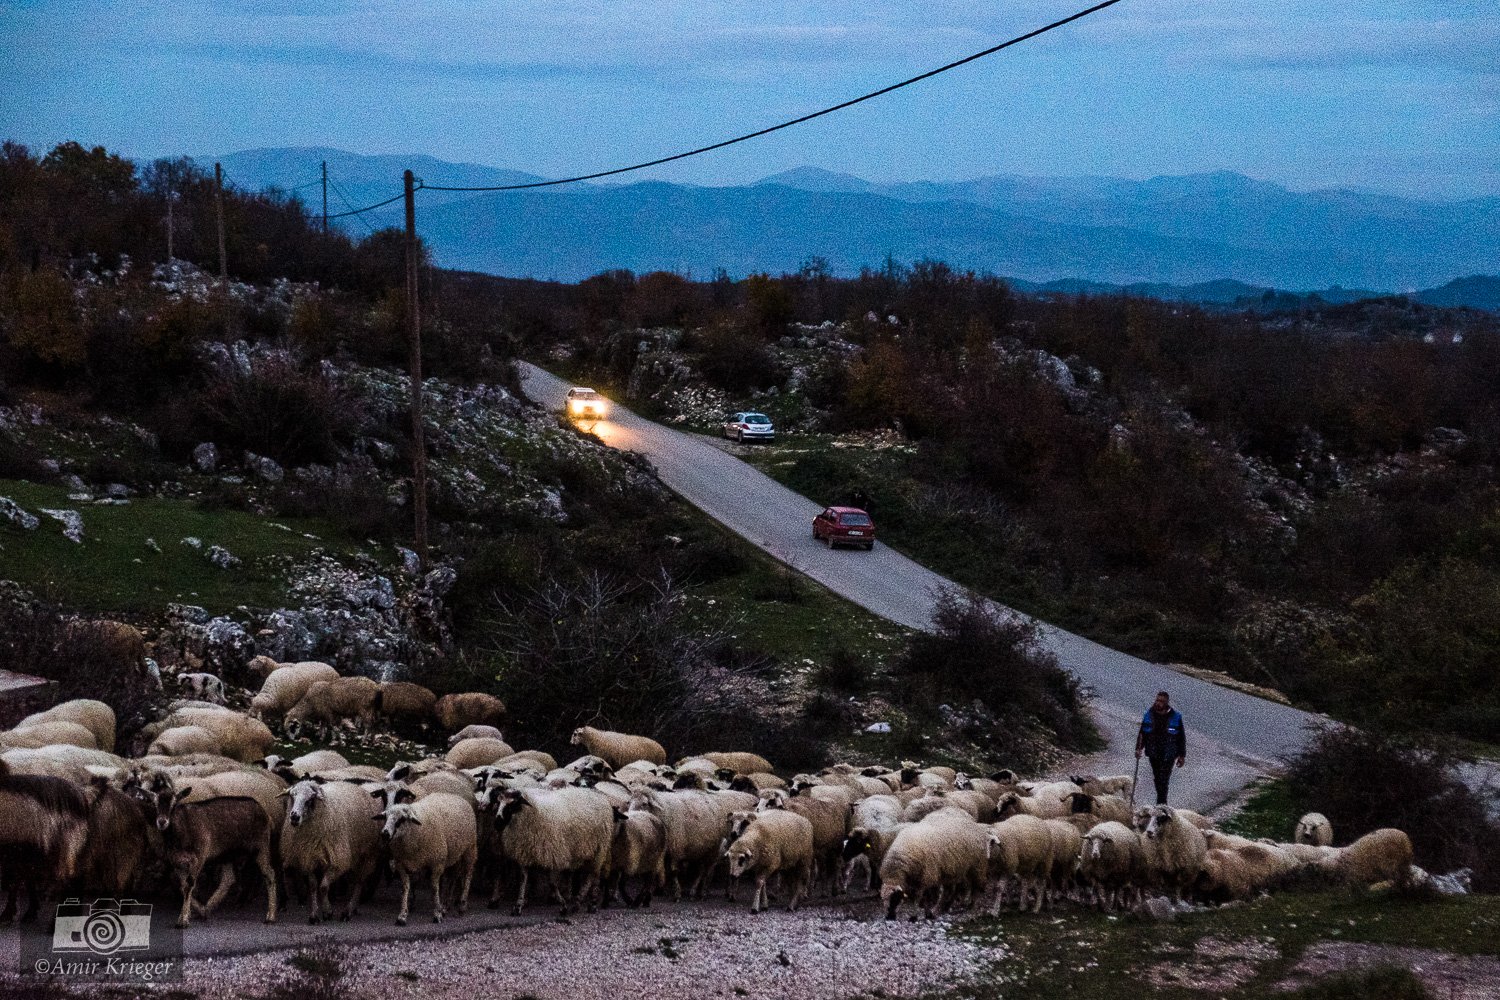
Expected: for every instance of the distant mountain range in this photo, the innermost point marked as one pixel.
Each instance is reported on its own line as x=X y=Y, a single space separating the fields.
x=1218 y=237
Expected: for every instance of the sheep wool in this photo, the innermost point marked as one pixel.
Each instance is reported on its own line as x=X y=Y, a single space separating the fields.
x=432 y=837
x=775 y=842
x=618 y=749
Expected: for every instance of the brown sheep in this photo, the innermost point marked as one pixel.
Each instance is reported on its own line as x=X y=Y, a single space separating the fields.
x=473 y=708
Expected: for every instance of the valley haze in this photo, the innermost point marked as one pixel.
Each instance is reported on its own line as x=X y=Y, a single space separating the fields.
x=1232 y=234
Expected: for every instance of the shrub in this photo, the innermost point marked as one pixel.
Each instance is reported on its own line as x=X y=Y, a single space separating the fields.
x=734 y=360
x=277 y=409
x=976 y=656
x=87 y=659
x=1363 y=781
x=844 y=671
x=620 y=654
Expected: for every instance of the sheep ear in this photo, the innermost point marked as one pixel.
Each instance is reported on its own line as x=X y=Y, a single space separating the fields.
x=377 y=793
x=414 y=821
x=182 y=793
x=405 y=795
x=399 y=772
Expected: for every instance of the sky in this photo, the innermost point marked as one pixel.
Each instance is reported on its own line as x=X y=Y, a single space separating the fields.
x=1401 y=97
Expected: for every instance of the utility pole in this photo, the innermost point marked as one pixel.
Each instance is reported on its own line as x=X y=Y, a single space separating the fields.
x=219 y=210
x=414 y=337
x=325 y=196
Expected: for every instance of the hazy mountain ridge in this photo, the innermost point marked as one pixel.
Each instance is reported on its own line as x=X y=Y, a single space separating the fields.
x=1190 y=237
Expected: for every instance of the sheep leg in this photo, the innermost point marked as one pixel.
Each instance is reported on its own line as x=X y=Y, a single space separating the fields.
x=586 y=891
x=268 y=874
x=799 y=889
x=520 y=893
x=405 y=910
x=1041 y=893
x=468 y=880
x=437 y=896
x=758 y=903
x=930 y=911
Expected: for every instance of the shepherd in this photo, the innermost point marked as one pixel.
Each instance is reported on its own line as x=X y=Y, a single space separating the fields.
x=1163 y=739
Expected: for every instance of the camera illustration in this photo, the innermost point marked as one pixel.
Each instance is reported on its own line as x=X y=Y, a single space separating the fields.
x=104 y=928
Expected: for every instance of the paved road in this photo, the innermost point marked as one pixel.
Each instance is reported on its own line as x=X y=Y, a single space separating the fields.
x=1232 y=736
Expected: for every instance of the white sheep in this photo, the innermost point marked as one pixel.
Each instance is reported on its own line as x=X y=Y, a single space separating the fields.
x=1379 y=856
x=639 y=850
x=329 y=704
x=1021 y=847
x=285 y=686
x=180 y=740
x=739 y=761
x=433 y=836
x=95 y=716
x=774 y=843
x=618 y=749
x=49 y=732
x=695 y=825
x=244 y=738
x=474 y=733
x=478 y=752
x=556 y=830
x=1113 y=863
x=946 y=852
x=830 y=821
x=1175 y=849
x=1315 y=829
x=329 y=834
x=1242 y=872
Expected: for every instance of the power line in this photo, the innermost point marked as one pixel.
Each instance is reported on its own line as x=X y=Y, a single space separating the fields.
x=795 y=121
x=758 y=132
x=345 y=199
x=369 y=208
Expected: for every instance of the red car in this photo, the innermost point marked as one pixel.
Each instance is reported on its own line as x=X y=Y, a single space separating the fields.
x=844 y=526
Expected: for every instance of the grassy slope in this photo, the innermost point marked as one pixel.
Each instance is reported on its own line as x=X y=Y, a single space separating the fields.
x=113 y=570
x=1083 y=956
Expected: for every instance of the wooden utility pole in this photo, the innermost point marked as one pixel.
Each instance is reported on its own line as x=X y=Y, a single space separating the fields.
x=414 y=338
x=325 y=196
x=219 y=210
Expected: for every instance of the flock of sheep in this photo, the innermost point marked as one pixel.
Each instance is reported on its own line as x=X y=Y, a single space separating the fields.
x=617 y=823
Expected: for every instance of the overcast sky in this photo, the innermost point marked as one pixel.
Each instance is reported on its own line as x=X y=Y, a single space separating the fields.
x=1396 y=96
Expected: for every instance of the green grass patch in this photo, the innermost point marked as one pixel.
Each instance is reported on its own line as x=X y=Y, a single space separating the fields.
x=115 y=571
x=1087 y=956
x=1269 y=812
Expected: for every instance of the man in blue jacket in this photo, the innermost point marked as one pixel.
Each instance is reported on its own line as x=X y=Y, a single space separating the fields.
x=1163 y=739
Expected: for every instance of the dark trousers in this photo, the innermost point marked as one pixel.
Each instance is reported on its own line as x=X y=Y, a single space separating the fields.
x=1161 y=773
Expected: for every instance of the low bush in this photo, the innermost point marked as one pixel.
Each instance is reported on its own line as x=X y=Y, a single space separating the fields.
x=621 y=654
x=278 y=409
x=1363 y=781
x=976 y=657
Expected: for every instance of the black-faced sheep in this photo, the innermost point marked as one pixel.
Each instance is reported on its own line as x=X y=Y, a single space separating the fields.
x=618 y=749
x=433 y=836
x=639 y=850
x=561 y=831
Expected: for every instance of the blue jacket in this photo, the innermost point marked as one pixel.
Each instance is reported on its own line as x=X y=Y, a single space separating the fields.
x=1172 y=742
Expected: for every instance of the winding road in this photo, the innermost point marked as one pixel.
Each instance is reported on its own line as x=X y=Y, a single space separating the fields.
x=1232 y=736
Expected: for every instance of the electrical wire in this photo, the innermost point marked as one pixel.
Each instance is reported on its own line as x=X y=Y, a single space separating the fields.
x=795 y=121
x=420 y=186
x=347 y=204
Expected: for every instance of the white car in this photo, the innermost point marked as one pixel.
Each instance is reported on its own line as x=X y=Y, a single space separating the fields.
x=586 y=404
x=747 y=426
